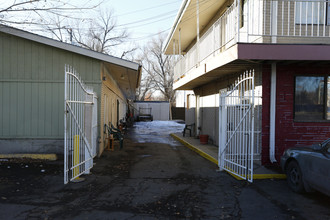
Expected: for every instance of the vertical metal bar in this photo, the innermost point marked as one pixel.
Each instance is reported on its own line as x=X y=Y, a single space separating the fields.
x=282 y=18
x=240 y=131
x=238 y=19
x=270 y=18
x=229 y=122
x=243 y=162
x=300 y=15
x=73 y=122
x=240 y=116
x=252 y=124
x=180 y=42
x=229 y=131
x=312 y=26
x=235 y=102
x=219 y=136
x=83 y=146
x=251 y=18
x=289 y=19
x=65 y=127
x=247 y=19
x=318 y=19
x=79 y=121
x=324 y=16
x=197 y=21
x=259 y=20
x=306 y=24
x=274 y=19
x=294 y=18
x=264 y=17
x=243 y=135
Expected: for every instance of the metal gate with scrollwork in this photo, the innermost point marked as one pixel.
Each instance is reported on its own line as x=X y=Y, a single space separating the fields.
x=236 y=128
x=79 y=126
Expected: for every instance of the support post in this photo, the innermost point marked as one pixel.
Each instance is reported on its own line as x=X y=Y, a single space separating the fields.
x=197 y=21
x=197 y=115
x=238 y=4
x=222 y=131
x=272 y=128
x=179 y=41
x=274 y=18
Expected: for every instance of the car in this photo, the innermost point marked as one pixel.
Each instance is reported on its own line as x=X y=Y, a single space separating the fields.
x=308 y=168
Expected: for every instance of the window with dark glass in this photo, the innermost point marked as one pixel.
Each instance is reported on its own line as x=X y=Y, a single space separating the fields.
x=312 y=98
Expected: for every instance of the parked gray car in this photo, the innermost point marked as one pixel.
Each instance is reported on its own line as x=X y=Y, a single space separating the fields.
x=308 y=168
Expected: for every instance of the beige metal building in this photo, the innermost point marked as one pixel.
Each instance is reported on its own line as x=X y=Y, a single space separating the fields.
x=32 y=89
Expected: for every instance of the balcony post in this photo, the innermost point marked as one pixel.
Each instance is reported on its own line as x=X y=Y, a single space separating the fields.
x=238 y=8
x=274 y=11
x=180 y=41
x=197 y=21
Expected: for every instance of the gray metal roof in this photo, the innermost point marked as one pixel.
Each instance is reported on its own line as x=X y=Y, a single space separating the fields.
x=68 y=47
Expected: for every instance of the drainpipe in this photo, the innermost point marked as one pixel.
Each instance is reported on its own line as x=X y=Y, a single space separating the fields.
x=272 y=114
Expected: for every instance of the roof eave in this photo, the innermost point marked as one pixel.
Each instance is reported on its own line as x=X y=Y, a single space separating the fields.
x=68 y=47
x=177 y=20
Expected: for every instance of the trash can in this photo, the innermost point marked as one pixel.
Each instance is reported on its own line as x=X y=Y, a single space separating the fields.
x=203 y=138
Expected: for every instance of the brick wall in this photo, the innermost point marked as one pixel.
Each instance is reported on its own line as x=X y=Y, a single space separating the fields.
x=289 y=133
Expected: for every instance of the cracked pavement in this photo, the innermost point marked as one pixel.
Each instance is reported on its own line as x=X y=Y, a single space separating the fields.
x=153 y=177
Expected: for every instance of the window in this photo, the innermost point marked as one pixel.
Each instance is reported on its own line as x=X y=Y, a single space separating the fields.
x=312 y=95
x=310 y=12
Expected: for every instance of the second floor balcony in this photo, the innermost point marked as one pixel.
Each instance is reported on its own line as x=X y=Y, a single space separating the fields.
x=258 y=22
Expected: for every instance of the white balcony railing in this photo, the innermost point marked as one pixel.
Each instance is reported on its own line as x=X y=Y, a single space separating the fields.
x=261 y=21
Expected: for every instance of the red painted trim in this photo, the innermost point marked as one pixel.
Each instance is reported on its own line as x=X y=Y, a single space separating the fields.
x=283 y=52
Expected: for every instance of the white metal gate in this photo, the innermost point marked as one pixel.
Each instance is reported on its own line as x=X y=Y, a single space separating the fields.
x=80 y=126
x=236 y=128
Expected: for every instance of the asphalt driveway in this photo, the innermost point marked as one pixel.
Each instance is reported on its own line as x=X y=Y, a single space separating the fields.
x=153 y=177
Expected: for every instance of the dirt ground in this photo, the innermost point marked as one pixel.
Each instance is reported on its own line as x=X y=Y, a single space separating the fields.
x=153 y=177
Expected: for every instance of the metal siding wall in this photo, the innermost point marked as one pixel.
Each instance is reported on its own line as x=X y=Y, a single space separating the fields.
x=32 y=87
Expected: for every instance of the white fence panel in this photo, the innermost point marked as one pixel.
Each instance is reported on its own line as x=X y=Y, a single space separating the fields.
x=80 y=126
x=236 y=128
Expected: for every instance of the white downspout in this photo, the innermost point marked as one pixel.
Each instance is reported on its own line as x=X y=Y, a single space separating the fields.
x=272 y=114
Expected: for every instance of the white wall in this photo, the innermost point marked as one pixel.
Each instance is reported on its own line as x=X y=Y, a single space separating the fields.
x=159 y=110
x=181 y=97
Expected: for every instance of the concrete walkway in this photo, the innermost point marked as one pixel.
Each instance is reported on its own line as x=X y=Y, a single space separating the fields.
x=210 y=152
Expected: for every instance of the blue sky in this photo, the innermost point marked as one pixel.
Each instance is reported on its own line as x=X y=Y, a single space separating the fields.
x=144 y=19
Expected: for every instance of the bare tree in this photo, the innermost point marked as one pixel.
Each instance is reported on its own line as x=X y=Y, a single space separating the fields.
x=159 y=67
x=36 y=12
x=101 y=35
x=67 y=21
x=145 y=89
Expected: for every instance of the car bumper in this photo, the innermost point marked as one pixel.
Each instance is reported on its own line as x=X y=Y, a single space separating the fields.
x=283 y=161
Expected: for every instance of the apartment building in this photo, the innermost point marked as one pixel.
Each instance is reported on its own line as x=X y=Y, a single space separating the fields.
x=259 y=70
